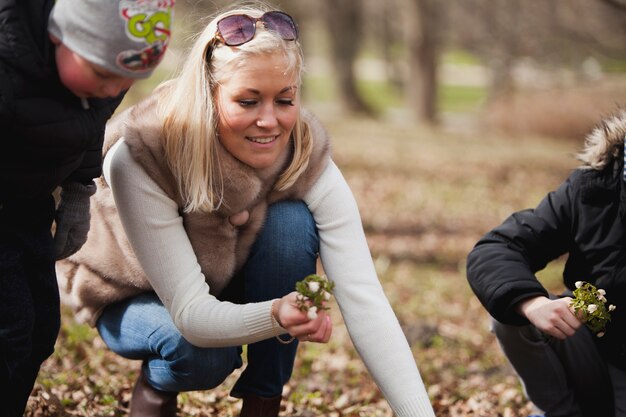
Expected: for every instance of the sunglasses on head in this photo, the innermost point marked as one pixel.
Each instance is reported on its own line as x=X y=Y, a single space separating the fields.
x=237 y=29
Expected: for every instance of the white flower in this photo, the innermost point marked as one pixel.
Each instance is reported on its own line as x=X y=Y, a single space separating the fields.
x=612 y=307
x=312 y=313
x=600 y=334
x=314 y=286
x=579 y=284
x=602 y=298
x=327 y=295
x=601 y=292
x=591 y=308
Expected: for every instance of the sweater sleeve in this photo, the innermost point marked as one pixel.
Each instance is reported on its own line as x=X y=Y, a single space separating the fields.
x=369 y=318
x=155 y=231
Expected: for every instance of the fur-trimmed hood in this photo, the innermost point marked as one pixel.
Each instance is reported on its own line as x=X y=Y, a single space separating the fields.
x=605 y=143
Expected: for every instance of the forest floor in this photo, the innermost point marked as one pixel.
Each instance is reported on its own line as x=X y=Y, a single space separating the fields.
x=426 y=196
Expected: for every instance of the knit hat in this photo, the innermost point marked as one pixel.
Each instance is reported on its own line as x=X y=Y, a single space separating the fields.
x=126 y=37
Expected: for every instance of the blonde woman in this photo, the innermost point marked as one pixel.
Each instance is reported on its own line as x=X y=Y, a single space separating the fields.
x=219 y=193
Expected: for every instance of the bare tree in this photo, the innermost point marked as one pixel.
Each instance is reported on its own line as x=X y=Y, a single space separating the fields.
x=557 y=33
x=422 y=38
x=343 y=20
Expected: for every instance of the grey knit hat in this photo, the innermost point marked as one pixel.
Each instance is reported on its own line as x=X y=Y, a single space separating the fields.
x=126 y=37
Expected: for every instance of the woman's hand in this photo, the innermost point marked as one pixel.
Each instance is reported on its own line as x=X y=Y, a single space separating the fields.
x=239 y=219
x=297 y=323
x=553 y=317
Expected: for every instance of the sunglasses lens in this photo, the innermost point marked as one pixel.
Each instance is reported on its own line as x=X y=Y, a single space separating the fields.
x=281 y=23
x=236 y=29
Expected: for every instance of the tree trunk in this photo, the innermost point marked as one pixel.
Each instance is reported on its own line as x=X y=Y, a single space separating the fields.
x=343 y=19
x=422 y=40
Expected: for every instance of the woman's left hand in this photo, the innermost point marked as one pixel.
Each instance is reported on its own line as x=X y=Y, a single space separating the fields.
x=299 y=325
x=322 y=331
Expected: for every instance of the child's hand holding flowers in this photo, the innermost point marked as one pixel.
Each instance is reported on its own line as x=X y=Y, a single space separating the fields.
x=589 y=304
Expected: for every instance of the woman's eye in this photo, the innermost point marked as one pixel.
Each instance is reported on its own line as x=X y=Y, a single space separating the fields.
x=286 y=101
x=247 y=103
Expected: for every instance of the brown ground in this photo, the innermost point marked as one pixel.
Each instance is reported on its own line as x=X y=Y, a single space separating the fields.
x=425 y=196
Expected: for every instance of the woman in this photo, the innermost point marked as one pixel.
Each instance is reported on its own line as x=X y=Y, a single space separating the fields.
x=227 y=193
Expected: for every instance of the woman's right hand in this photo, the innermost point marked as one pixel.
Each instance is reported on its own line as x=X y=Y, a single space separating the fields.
x=553 y=317
x=298 y=324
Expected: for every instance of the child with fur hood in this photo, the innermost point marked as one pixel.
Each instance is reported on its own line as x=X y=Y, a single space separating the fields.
x=564 y=368
x=218 y=195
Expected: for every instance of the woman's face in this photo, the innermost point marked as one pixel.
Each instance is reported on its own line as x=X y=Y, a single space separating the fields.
x=258 y=106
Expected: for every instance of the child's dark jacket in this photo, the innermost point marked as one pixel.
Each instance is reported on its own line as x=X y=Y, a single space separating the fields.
x=584 y=218
x=47 y=137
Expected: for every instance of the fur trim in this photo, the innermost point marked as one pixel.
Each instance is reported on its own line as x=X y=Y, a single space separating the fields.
x=605 y=143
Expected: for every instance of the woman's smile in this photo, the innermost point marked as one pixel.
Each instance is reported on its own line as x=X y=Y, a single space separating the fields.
x=262 y=139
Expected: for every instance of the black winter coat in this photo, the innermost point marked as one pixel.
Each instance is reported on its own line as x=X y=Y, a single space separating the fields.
x=46 y=136
x=584 y=218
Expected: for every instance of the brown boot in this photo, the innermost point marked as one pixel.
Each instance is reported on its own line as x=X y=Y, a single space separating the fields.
x=150 y=402
x=254 y=406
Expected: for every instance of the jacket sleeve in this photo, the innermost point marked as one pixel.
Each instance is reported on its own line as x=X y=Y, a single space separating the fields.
x=91 y=164
x=6 y=115
x=501 y=267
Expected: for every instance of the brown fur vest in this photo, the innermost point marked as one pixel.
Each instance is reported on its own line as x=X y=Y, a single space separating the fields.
x=106 y=270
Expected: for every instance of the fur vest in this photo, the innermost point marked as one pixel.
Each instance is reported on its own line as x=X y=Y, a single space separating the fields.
x=106 y=270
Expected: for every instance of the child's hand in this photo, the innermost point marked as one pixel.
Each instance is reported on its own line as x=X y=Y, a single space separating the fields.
x=552 y=317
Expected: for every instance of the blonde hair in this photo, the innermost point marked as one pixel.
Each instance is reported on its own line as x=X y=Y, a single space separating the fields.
x=190 y=119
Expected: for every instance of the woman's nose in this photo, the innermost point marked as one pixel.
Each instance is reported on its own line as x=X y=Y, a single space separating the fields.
x=267 y=117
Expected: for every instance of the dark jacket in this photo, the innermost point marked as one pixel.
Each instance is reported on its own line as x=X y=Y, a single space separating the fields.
x=47 y=137
x=584 y=218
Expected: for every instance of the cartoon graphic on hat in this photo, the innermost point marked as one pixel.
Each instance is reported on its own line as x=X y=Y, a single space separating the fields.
x=148 y=25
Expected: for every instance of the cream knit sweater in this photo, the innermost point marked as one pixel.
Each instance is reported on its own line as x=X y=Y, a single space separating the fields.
x=155 y=231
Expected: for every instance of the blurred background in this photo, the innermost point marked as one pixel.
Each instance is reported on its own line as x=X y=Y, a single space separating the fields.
x=445 y=117
x=546 y=67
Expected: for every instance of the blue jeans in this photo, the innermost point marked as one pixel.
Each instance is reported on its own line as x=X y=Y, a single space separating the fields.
x=285 y=251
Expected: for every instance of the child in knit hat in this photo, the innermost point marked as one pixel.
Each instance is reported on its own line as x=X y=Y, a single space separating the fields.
x=64 y=68
x=103 y=46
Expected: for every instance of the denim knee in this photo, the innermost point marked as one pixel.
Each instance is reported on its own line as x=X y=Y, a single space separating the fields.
x=290 y=227
x=181 y=366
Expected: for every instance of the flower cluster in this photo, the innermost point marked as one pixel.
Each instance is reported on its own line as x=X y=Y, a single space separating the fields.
x=314 y=291
x=589 y=304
